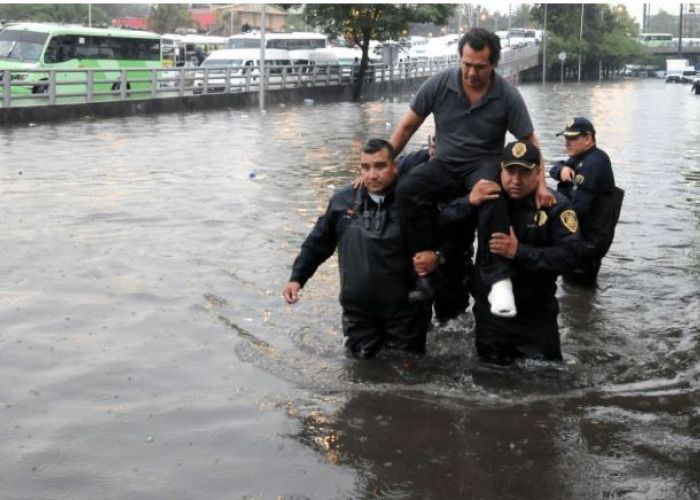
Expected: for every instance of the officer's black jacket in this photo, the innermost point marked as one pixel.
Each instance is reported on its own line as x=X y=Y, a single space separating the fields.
x=548 y=245
x=374 y=263
x=593 y=196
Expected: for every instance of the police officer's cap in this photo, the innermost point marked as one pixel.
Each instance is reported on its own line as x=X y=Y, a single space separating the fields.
x=521 y=153
x=577 y=126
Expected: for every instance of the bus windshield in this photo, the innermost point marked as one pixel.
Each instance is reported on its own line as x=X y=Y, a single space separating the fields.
x=22 y=45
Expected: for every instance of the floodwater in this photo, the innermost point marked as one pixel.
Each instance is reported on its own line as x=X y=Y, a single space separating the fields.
x=146 y=352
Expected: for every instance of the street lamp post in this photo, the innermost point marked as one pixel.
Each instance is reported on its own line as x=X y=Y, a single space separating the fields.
x=544 y=46
x=580 y=45
x=262 y=57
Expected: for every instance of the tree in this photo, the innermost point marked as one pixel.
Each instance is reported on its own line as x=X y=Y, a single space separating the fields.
x=362 y=23
x=166 y=18
x=100 y=14
x=608 y=42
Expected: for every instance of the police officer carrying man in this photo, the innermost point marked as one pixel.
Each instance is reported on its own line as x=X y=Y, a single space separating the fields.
x=541 y=244
x=587 y=179
x=375 y=268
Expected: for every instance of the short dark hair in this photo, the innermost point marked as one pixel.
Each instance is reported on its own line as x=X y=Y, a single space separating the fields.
x=375 y=145
x=478 y=39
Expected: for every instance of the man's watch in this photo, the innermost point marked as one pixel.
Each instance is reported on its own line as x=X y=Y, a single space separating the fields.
x=440 y=257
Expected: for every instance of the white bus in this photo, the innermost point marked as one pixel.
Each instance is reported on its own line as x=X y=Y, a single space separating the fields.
x=290 y=41
x=655 y=39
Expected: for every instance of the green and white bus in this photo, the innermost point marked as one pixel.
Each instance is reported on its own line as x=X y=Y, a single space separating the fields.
x=655 y=39
x=66 y=48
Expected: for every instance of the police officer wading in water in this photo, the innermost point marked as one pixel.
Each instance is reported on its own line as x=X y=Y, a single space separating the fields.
x=375 y=268
x=473 y=108
x=587 y=179
x=541 y=243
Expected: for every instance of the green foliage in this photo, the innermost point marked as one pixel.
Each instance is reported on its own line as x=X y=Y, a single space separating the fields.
x=608 y=37
x=101 y=14
x=166 y=18
x=361 y=23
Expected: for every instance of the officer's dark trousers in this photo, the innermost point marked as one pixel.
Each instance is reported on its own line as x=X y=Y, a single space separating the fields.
x=502 y=340
x=435 y=182
x=402 y=332
x=585 y=273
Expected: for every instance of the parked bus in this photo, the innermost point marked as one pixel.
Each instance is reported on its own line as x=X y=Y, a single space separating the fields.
x=655 y=39
x=186 y=50
x=297 y=40
x=34 y=46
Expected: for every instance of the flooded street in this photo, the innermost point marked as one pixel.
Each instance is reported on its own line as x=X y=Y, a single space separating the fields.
x=146 y=351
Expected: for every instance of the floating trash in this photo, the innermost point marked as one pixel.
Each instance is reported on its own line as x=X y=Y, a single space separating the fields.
x=308 y=102
x=252 y=174
x=387 y=124
x=331 y=186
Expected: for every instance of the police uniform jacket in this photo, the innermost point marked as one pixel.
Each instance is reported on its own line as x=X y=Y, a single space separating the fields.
x=548 y=245
x=374 y=264
x=592 y=194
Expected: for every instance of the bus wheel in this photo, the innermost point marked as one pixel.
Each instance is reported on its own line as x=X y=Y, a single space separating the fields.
x=40 y=89
x=118 y=86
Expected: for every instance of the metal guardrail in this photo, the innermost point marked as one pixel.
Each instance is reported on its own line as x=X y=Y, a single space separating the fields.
x=77 y=86
x=72 y=86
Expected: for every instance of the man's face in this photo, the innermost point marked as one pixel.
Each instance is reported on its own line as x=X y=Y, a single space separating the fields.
x=578 y=144
x=378 y=171
x=476 y=67
x=519 y=182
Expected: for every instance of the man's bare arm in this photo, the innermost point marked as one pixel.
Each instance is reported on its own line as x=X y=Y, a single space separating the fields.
x=404 y=130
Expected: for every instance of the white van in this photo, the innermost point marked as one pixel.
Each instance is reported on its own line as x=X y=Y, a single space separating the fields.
x=321 y=62
x=243 y=69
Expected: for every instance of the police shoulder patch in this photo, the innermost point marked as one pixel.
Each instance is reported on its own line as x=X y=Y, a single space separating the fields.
x=578 y=180
x=570 y=220
x=540 y=218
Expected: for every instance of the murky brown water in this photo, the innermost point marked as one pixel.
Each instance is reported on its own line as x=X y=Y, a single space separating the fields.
x=145 y=351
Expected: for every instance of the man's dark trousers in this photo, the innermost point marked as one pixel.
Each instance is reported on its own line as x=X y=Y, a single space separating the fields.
x=436 y=181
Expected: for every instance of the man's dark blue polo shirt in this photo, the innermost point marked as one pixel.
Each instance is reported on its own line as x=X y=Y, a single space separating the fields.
x=469 y=133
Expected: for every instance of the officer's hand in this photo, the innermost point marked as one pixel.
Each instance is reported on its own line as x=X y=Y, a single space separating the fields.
x=291 y=292
x=425 y=262
x=483 y=191
x=544 y=197
x=357 y=182
x=567 y=174
x=503 y=244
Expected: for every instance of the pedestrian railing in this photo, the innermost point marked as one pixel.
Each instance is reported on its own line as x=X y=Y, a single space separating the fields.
x=75 y=86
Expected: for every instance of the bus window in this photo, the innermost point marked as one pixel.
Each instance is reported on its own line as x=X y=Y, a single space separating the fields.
x=243 y=43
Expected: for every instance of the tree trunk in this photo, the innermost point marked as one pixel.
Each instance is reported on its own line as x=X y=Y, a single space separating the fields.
x=357 y=91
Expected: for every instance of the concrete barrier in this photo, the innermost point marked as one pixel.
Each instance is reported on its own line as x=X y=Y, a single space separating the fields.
x=333 y=93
